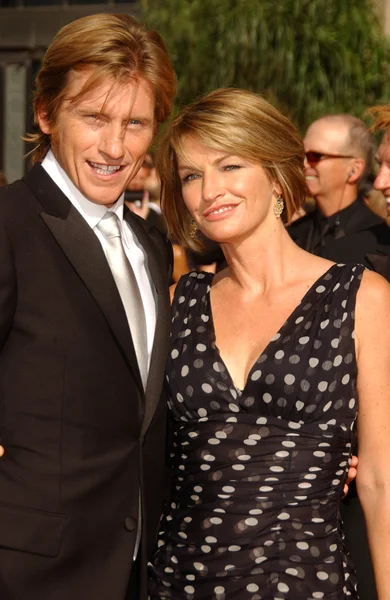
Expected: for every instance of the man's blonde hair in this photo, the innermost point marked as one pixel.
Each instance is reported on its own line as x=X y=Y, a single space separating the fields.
x=118 y=48
x=241 y=123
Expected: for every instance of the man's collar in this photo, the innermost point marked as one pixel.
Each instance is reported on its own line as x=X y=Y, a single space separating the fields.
x=90 y=211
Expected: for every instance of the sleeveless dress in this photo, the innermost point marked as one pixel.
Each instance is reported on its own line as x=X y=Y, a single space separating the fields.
x=258 y=473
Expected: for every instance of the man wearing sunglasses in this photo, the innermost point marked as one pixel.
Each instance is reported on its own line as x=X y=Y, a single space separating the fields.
x=339 y=156
x=338 y=163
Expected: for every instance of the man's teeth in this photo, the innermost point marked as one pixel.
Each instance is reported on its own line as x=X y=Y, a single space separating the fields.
x=105 y=169
x=221 y=210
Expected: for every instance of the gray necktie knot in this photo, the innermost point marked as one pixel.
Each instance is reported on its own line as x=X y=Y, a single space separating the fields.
x=109 y=225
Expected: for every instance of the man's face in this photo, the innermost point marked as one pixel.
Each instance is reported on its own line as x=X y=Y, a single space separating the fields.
x=382 y=181
x=100 y=141
x=327 y=178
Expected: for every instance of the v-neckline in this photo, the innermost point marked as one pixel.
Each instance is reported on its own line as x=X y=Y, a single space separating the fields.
x=274 y=338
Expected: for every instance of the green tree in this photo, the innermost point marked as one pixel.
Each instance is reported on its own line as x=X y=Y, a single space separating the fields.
x=308 y=57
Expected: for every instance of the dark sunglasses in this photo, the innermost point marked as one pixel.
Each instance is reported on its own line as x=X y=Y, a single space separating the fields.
x=314 y=158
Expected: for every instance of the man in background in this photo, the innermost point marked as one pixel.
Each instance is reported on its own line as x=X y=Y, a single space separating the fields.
x=339 y=157
x=83 y=285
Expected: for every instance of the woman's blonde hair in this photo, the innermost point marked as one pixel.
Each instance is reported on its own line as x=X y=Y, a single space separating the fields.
x=118 y=48
x=241 y=123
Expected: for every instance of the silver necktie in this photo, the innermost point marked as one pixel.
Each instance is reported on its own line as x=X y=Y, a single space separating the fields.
x=128 y=288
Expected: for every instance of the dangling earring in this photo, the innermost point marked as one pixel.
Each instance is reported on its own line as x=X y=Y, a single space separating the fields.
x=193 y=229
x=279 y=207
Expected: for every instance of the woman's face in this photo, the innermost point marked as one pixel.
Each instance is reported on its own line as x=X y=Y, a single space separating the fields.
x=228 y=196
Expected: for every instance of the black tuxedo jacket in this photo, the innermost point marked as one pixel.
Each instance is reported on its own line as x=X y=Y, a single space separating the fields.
x=82 y=437
x=362 y=238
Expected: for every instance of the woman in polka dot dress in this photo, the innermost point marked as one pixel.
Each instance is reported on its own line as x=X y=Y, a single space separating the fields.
x=263 y=375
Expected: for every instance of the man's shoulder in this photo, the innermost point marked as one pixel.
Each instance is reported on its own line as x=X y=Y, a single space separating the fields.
x=300 y=225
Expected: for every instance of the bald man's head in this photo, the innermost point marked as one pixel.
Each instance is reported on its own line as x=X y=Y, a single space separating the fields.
x=339 y=153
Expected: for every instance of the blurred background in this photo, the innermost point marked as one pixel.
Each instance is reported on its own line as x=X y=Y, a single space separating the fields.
x=309 y=57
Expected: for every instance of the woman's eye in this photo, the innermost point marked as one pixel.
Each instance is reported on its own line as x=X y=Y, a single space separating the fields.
x=232 y=167
x=189 y=177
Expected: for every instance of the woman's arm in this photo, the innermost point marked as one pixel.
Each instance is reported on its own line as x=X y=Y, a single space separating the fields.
x=373 y=383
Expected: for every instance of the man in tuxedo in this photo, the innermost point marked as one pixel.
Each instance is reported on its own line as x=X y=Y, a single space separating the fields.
x=339 y=156
x=84 y=325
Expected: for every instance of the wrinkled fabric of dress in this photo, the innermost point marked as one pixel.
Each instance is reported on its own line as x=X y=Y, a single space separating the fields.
x=259 y=472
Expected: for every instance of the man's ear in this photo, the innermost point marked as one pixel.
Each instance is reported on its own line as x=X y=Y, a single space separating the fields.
x=43 y=120
x=356 y=171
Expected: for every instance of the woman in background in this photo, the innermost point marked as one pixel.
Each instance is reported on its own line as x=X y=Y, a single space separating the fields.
x=270 y=361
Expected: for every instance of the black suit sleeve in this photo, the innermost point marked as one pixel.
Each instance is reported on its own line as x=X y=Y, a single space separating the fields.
x=8 y=285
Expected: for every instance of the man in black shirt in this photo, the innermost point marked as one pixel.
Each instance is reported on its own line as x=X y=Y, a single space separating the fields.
x=339 y=155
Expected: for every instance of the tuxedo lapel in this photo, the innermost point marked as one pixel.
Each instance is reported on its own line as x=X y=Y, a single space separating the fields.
x=83 y=250
x=160 y=350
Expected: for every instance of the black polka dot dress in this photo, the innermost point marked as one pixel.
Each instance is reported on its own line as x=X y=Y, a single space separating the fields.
x=259 y=472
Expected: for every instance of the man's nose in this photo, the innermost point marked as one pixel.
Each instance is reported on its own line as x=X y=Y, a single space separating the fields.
x=382 y=180
x=112 y=142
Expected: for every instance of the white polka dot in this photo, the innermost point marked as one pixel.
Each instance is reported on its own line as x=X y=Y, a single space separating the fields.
x=324 y=324
x=322 y=575
x=206 y=387
x=234 y=548
x=282 y=587
x=175 y=353
x=202 y=412
x=185 y=370
x=313 y=362
x=219 y=589
x=283 y=516
x=298 y=320
x=302 y=545
x=320 y=289
x=215 y=520
x=279 y=354
x=352 y=403
x=338 y=360
x=322 y=386
x=251 y=522
x=252 y=587
x=201 y=347
x=199 y=566
x=289 y=379
x=345 y=379
x=244 y=457
x=189 y=589
x=267 y=398
x=233 y=407
x=293 y=572
x=299 y=405
x=205 y=549
x=303 y=340
x=327 y=406
x=256 y=375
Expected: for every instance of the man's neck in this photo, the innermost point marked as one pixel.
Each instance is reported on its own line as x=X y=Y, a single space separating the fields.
x=329 y=206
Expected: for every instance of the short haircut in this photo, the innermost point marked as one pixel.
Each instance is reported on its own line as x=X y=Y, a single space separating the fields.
x=241 y=123
x=118 y=48
x=359 y=141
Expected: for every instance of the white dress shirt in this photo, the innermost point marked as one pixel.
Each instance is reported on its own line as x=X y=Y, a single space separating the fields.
x=93 y=213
